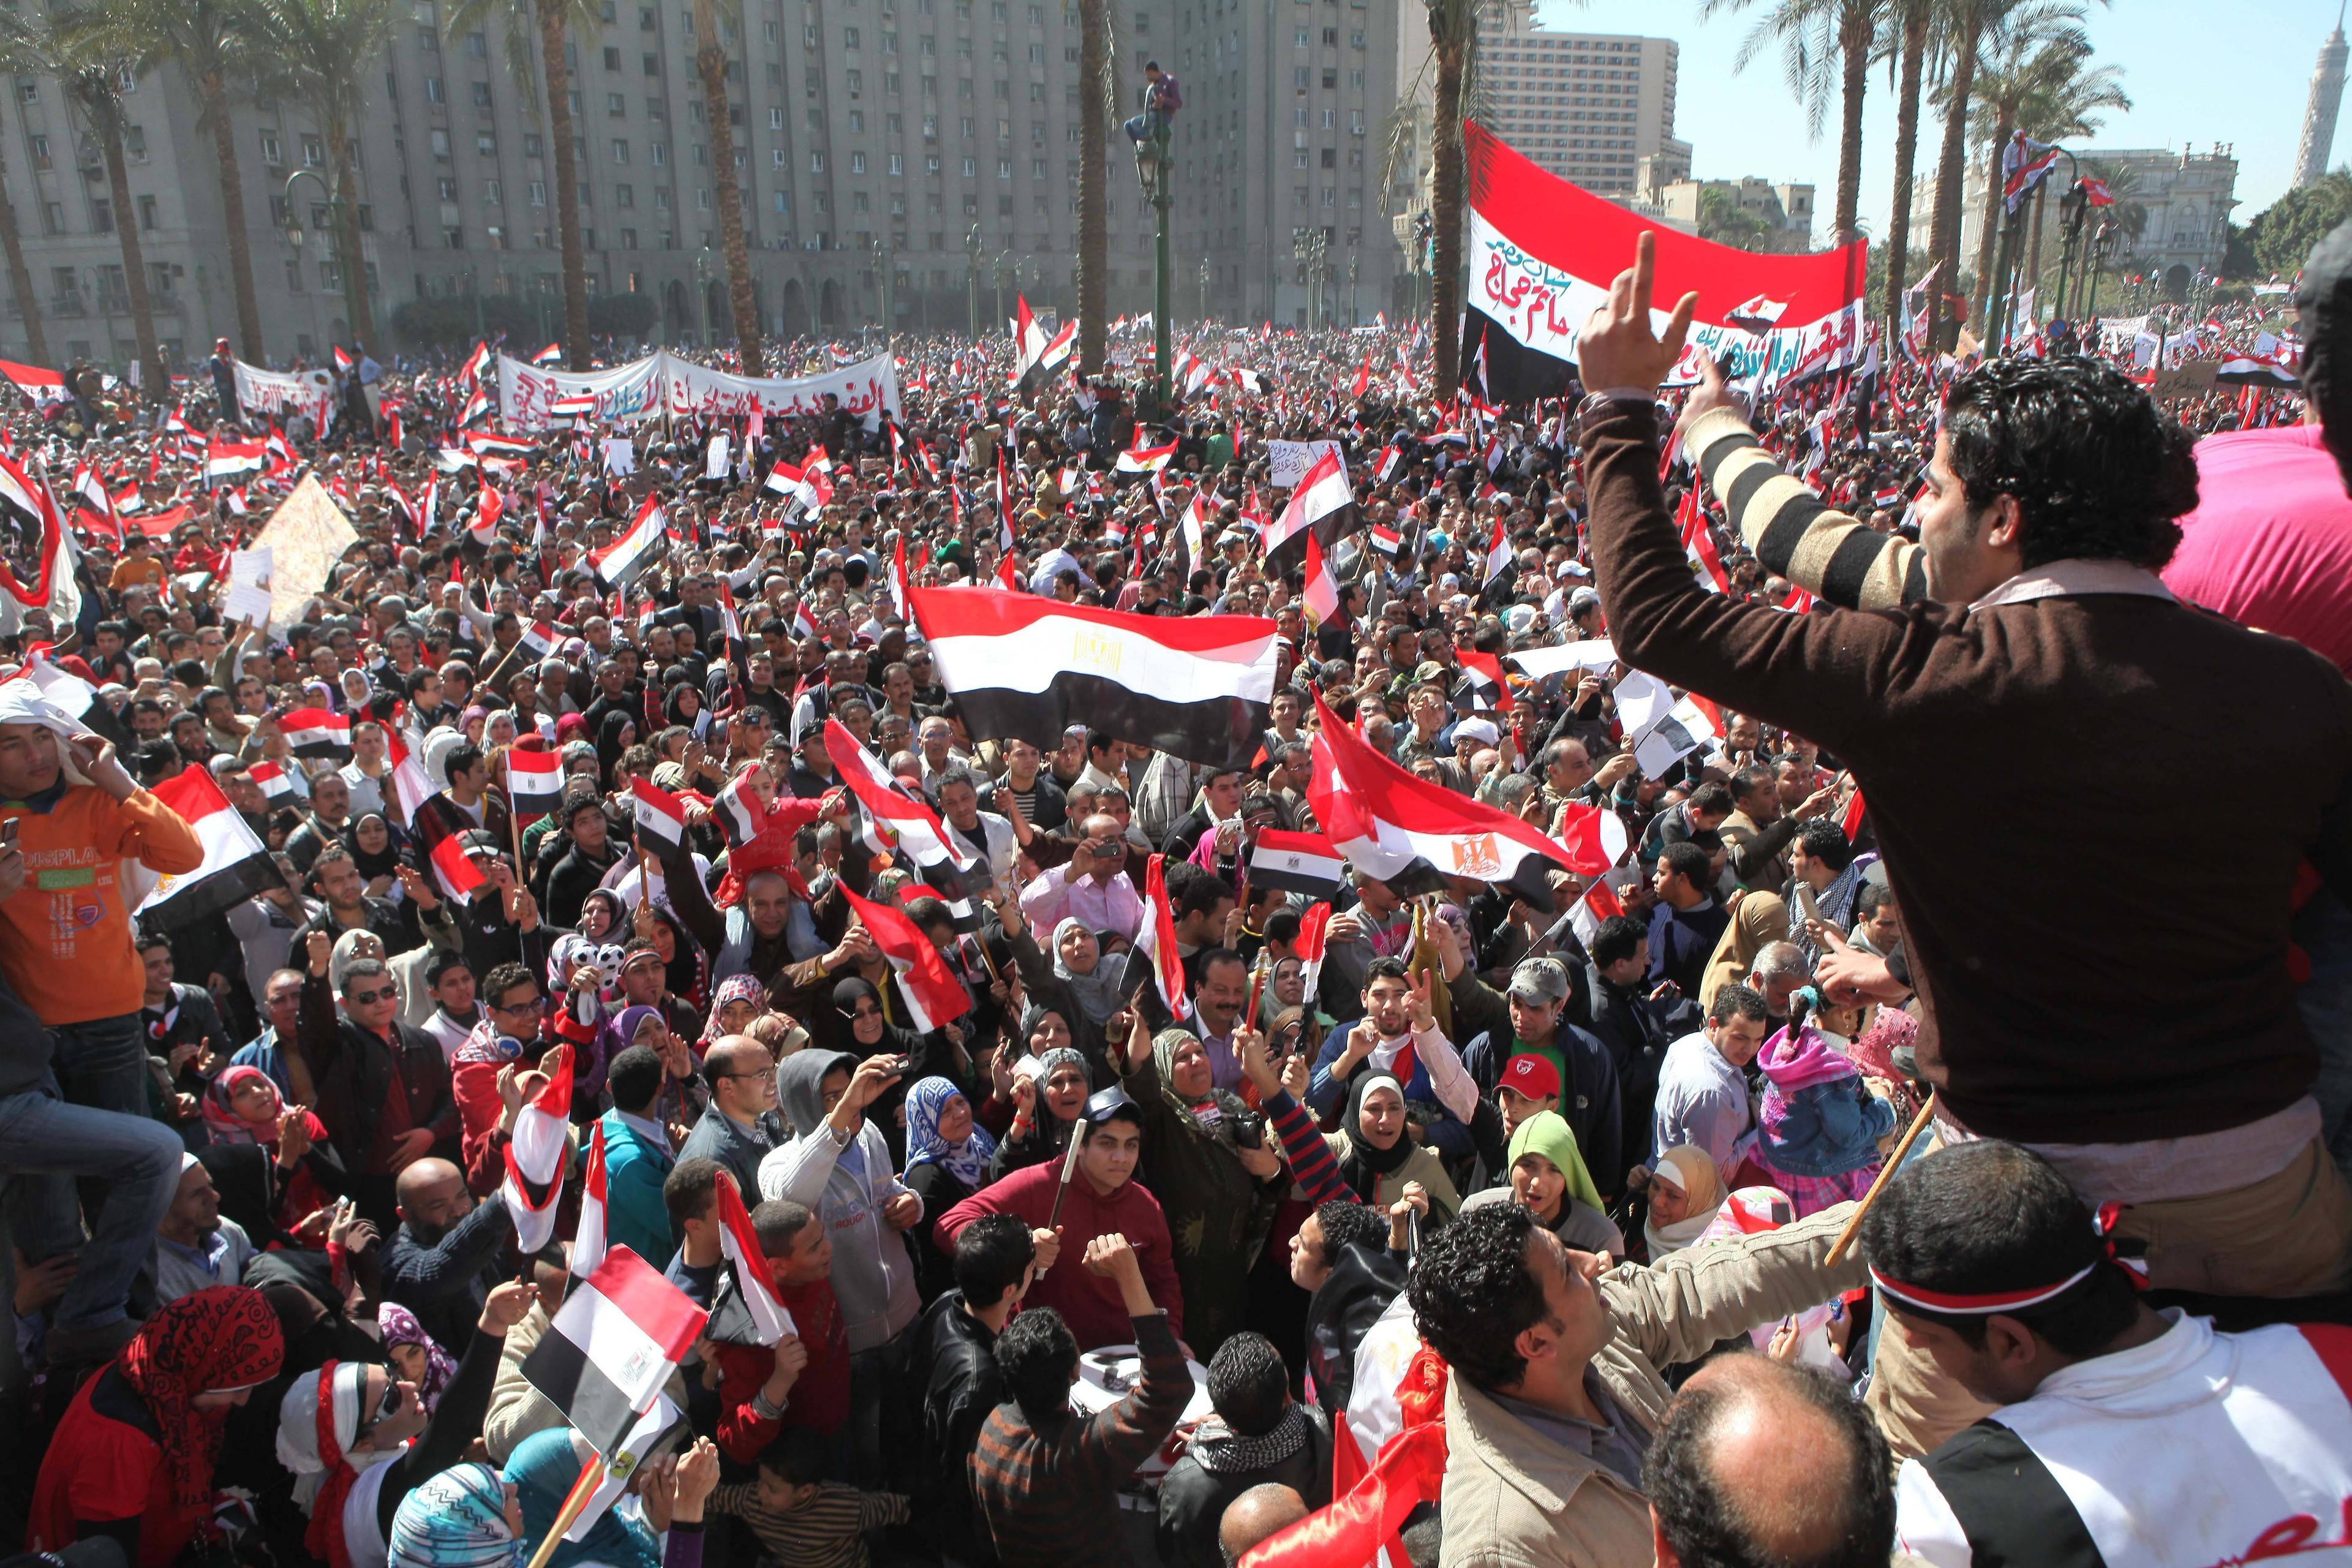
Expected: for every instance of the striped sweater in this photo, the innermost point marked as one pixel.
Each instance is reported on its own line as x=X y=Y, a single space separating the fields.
x=826 y=1532
x=1789 y=530
x=1049 y=1495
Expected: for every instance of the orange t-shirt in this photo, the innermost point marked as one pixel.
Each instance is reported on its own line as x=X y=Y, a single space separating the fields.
x=133 y=572
x=65 y=945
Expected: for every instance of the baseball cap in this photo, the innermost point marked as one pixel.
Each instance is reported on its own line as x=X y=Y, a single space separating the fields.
x=1531 y=1075
x=1540 y=980
x=1584 y=598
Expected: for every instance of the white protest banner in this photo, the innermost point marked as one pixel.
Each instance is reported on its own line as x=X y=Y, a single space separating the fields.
x=1599 y=653
x=310 y=392
x=620 y=455
x=870 y=389
x=1287 y=461
x=624 y=396
x=305 y=537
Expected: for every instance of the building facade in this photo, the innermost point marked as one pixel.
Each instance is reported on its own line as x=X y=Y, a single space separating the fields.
x=1785 y=210
x=938 y=136
x=1279 y=205
x=1589 y=107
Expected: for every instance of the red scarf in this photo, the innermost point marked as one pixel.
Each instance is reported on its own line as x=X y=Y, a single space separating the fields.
x=222 y=1337
x=325 y=1536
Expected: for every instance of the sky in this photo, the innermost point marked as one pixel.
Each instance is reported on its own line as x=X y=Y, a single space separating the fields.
x=1746 y=124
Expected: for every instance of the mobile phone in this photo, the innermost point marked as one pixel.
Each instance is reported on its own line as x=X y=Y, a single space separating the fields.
x=8 y=833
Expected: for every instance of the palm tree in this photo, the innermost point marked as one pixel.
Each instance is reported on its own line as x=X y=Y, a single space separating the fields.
x=1826 y=46
x=2027 y=50
x=541 y=28
x=64 y=45
x=1458 y=93
x=1968 y=23
x=711 y=61
x=214 y=42
x=321 y=45
x=1911 y=25
x=1094 y=223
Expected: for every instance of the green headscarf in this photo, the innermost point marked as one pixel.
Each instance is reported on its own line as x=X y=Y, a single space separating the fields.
x=1547 y=1133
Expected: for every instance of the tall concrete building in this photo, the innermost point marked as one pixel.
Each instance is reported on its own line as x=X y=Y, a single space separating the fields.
x=2319 y=112
x=909 y=123
x=1280 y=141
x=1589 y=107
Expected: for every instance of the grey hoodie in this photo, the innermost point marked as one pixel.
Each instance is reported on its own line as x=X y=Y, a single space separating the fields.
x=873 y=1276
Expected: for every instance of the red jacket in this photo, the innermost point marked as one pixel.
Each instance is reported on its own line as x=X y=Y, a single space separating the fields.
x=820 y=1396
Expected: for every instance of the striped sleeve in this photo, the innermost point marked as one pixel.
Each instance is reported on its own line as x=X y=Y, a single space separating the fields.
x=1310 y=1156
x=1791 y=533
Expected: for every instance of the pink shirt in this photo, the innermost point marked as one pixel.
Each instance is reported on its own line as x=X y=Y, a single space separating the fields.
x=2270 y=544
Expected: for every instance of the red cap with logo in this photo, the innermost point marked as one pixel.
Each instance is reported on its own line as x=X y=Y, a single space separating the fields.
x=1532 y=1075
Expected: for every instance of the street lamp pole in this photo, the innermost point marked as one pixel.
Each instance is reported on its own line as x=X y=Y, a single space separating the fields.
x=353 y=279
x=1163 y=269
x=971 y=283
x=702 y=289
x=1003 y=276
x=882 y=262
x=1204 y=288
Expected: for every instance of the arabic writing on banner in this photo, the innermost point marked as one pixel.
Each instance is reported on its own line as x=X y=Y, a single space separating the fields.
x=1287 y=461
x=310 y=392
x=662 y=382
x=1545 y=308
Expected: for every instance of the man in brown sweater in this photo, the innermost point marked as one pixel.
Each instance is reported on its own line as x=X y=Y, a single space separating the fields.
x=1046 y=1482
x=2020 y=744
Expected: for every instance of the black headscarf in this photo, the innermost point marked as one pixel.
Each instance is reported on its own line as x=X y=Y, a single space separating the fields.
x=608 y=741
x=384 y=862
x=1365 y=1165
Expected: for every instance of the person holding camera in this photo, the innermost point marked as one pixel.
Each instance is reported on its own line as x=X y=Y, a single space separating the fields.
x=1207 y=1158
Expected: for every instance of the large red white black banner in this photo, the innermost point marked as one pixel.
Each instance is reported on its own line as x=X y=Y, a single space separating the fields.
x=1543 y=253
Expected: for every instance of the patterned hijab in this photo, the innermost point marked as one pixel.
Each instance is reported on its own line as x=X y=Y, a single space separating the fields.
x=455 y=1519
x=967 y=1162
x=399 y=1326
x=222 y=1337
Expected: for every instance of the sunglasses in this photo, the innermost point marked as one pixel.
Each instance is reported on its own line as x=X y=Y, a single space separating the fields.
x=865 y=1011
x=365 y=997
x=385 y=1409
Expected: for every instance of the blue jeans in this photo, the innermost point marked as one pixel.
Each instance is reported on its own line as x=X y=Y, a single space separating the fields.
x=45 y=1143
x=103 y=1064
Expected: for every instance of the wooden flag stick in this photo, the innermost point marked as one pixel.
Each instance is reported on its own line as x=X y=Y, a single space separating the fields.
x=1069 y=1169
x=1885 y=1175
x=592 y=1476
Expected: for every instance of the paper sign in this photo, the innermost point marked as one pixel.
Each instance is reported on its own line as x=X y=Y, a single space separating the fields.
x=246 y=602
x=248 y=568
x=1287 y=461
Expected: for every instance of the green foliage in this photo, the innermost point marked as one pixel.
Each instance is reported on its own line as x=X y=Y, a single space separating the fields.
x=527 y=323
x=2283 y=234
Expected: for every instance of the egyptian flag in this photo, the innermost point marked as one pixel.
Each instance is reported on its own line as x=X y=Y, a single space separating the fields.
x=1603 y=901
x=1386 y=463
x=276 y=786
x=537 y=1153
x=484 y=528
x=754 y=1286
x=28 y=514
x=484 y=444
x=39 y=387
x=2269 y=363
x=930 y=990
x=235 y=865
x=612 y=1345
x=1037 y=357
x=410 y=786
x=914 y=830
x=1297 y=863
x=97 y=506
x=541 y=637
x=1547 y=254
x=658 y=813
x=76 y=699
x=226 y=462
x=1142 y=459
x=1155 y=943
x=588 y=1241
x=534 y=782
x=551 y=354
x=1498 y=553
x=1321 y=593
x=1850 y=820
x=1312 y=928
x=1323 y=502
x=1409 y=832
x=130 y=498
x=641 y=545
x=738 y=810
x=1198 y=686
x=898 y=582
x=454 y=870
x=316 y=733
x=1482 y=674
x=1387 y=541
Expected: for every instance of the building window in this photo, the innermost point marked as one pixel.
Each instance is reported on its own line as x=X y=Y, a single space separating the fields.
x=539 y=193
x=816 y=163
x=616 y=105
x=314 y=152
x=620 y=150
x=658 y=152
x=272 y=153
x=494 y=196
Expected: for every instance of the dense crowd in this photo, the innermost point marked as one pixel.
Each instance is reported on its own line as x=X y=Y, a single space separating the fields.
x=1529 y=1192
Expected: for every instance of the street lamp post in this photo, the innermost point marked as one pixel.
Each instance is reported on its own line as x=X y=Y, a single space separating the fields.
x=883 y=258
x=1003 y=273
x=2072 y=207
x=971 y=282
x=2012 y=232
x=1156 y=178
x=2097 y=258
x=1352 y=317
x=1204 y=288
x=702 y=273
x=353 y=274
x=1309 y=247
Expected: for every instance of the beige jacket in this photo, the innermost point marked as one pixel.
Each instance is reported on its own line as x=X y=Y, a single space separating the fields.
x=517 y=1409
x=1515 y=1499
